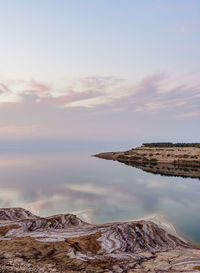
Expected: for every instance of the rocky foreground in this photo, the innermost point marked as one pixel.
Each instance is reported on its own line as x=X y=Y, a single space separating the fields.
x=65 y=243
x=176 y=161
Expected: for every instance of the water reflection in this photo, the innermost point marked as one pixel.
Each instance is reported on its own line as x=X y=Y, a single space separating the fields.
x=100 y=190
x=167 y=169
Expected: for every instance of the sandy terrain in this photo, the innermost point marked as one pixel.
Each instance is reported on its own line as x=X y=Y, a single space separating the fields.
x=177 y=161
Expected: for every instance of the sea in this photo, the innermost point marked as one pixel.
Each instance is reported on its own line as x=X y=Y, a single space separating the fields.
x=53 y=177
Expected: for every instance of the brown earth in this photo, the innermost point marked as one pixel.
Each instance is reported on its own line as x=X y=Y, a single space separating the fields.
x=177 y=161
x=64 y=243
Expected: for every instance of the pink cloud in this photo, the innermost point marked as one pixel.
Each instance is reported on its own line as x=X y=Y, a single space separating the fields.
x=71 y=97
x=40 y=87
x=4 y=88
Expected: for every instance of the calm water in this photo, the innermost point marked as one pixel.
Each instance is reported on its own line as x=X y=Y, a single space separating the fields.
x=48 y=182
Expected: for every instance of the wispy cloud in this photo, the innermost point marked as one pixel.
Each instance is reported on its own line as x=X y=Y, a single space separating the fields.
x=71 y=97
x=187 y=115
x=18 y=130
x=153 y=94
x=4 y=88
x=148 y=97
x=40 y=87
x=75 y=91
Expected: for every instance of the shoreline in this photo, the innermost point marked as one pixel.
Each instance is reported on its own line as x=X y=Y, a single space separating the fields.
x=174 y=161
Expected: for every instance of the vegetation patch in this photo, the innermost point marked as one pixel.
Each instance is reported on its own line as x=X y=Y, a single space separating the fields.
x=170 y=144
x=135 y=157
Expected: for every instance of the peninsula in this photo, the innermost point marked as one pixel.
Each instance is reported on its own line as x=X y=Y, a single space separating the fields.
x=166 y=158
x=66 y=244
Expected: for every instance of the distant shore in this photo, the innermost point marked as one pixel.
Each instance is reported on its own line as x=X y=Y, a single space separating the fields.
x=167 y=158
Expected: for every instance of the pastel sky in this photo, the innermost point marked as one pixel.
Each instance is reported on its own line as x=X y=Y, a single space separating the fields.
x=111 y=70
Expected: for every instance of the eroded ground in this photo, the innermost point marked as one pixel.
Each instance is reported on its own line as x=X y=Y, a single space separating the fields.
x=64 y=243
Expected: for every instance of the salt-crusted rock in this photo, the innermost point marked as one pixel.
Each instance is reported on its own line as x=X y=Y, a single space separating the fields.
x=64 y=243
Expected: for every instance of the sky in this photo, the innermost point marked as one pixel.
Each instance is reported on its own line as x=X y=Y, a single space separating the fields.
x=100 y=70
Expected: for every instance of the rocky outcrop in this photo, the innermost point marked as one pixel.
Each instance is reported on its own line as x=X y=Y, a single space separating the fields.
x=178 y=161
x=12 y=214
x=64 y=243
